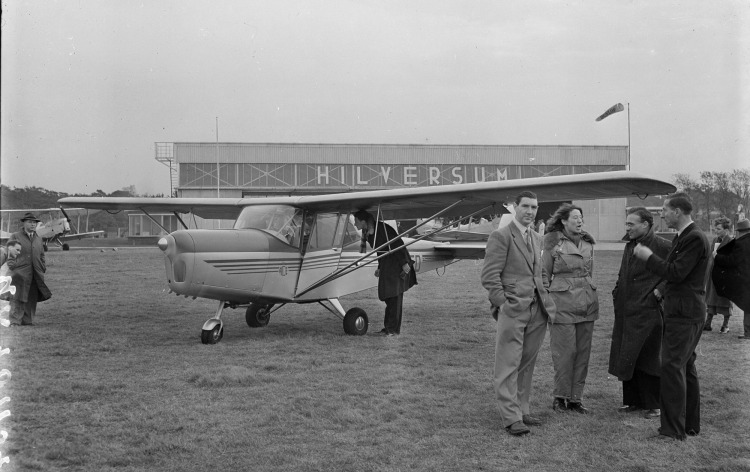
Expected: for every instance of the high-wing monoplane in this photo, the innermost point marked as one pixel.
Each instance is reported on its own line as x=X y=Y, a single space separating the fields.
x=53 y=228
x=305 y=249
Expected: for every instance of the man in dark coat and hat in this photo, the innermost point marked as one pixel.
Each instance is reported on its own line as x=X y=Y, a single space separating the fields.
x=634 y=355
x=731 y=272
x=395 y=270
x=28 y=273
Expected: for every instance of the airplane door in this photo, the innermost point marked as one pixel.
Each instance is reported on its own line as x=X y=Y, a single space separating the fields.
x=322 y=251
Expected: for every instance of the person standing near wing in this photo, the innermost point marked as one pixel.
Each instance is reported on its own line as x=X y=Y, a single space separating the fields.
x=635 y=352
x=517 y=284
x=395 y=271
x=731 y=272
x=684 y=317
x=716 y=304
x=569 y=261
x=28 y=269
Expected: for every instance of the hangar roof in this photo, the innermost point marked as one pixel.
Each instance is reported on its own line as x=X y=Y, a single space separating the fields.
x=195 y=152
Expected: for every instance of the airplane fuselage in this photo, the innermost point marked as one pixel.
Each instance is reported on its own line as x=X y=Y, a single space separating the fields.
x=260 y=264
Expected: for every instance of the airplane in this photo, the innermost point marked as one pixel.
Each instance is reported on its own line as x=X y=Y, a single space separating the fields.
x=52 y=230
x=305 y=249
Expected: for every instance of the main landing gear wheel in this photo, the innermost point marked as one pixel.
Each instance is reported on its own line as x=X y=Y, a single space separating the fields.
x=66 y=247
x=212 y=336
x=258 y=315
x=356 y=322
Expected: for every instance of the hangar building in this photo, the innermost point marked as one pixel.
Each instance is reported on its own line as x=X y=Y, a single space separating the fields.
x=274 y=169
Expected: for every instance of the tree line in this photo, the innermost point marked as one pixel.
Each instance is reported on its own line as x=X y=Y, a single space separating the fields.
x=716 y=194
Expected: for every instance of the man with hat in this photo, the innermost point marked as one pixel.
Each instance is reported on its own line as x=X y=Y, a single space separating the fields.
x=731 y=272
x=28 y=273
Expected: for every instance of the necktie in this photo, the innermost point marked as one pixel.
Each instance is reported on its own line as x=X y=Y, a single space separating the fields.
x=528 y=242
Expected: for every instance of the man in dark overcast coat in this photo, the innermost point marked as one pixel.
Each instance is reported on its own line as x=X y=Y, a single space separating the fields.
x=731 y=272
x=634 y=355
x=28 y=273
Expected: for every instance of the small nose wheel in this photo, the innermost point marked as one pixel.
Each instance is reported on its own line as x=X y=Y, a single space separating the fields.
x=212 y=336
x=213 y=329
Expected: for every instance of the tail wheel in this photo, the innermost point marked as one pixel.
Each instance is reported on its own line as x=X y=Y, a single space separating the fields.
x=212 y=336
x=258 y=315
x=356 y=322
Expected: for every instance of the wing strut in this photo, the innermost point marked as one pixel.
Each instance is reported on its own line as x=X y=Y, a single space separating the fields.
x=355 y=265
x=154 y=220
x=180 y=220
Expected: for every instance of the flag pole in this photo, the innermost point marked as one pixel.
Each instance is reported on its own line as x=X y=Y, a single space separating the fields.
x=218 y=166
x=628 y=135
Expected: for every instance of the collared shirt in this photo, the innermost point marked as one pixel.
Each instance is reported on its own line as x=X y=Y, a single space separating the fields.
x=522 y=228
x=679 y=231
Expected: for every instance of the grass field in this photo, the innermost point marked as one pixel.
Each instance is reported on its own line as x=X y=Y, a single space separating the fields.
x=113 y=376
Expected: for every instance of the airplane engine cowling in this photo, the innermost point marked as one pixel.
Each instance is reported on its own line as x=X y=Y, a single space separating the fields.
x=229 y=265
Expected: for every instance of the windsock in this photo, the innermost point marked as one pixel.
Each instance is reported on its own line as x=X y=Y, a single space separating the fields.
x=613 y=109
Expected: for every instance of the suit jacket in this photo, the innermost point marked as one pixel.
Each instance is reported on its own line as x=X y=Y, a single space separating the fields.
x=685 y=270
x=513 y=276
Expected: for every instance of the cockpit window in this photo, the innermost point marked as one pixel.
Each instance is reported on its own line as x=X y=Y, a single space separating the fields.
x=281 y=221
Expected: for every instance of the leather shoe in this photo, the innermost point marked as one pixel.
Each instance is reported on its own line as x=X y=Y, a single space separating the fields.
x=578 y=408
x=654 y=413
x=518 y=429
x=529 y=420
x=558 y=404
x=628 y=409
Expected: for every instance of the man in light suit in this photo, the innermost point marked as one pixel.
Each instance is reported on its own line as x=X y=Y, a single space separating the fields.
x=517 y=285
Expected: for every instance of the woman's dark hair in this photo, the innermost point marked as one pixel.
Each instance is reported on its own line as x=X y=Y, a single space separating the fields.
x=562 y=213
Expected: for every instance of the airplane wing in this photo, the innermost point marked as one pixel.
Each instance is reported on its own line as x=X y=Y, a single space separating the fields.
x=216 y=208
x=406 y=203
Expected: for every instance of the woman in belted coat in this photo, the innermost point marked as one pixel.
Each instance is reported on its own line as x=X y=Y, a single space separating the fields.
x=395 y=271
x=568 y=258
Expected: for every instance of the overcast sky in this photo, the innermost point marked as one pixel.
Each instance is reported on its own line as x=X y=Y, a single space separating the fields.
x=88 y=86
